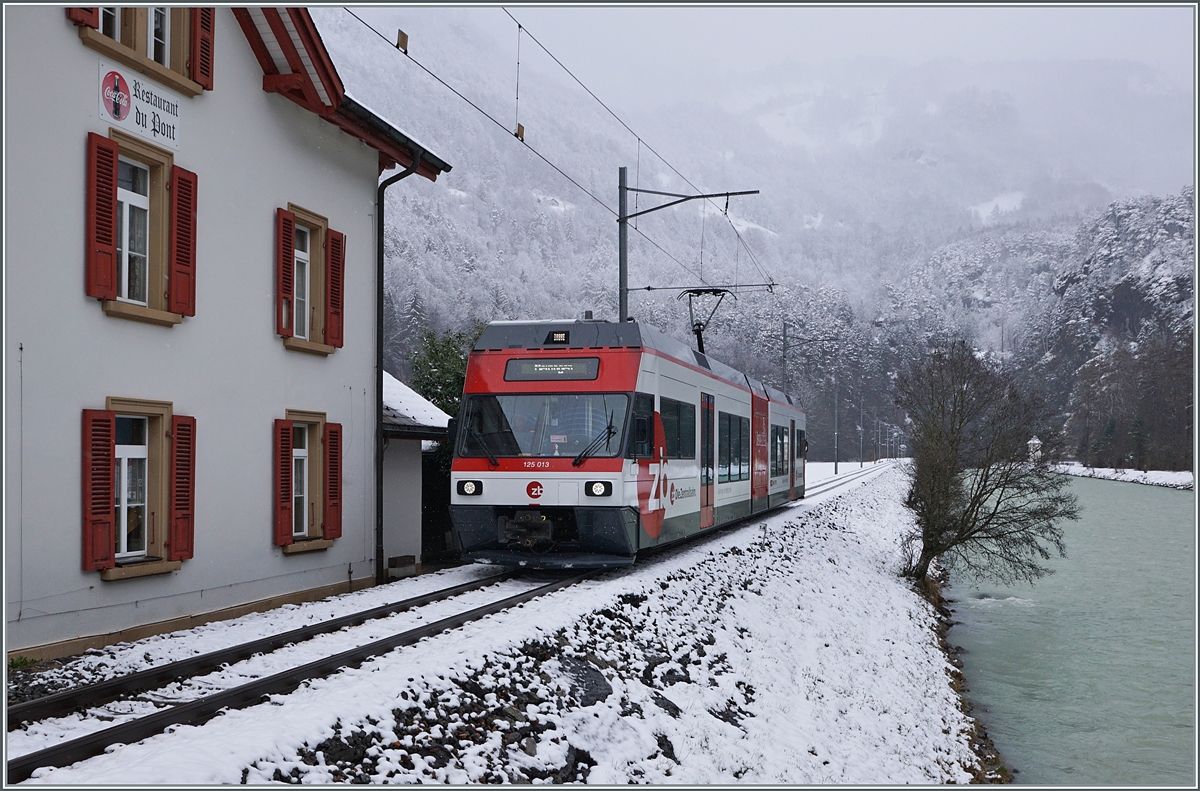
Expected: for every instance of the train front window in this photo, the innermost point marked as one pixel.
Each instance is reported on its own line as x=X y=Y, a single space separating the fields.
x=562 y=424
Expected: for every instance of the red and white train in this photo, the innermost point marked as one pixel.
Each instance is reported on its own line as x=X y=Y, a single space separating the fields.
x=580 y=443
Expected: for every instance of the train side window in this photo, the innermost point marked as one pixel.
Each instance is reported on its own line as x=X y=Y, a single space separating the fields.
x=723 y=447
x=687 y=432
x=779 y=451
x=736 y=451
x=641 y=441
x=679 y=425
x=743 y=445
x=774 y=455
x=733 y=448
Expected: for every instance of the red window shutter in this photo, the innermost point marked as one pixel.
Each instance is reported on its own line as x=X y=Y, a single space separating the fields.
x=335 y=273
x=283 y=482
x=285 y=270
x=85 y=17
x=181 y=255
x=333 y=481
x=101 y=220
x=181 y=538
x=200 y=65
x=99 y=502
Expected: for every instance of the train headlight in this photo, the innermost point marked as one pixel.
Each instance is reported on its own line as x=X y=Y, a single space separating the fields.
x=598 y=488
x=470 y=488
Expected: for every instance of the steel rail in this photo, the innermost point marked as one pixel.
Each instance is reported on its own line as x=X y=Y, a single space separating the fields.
x=105 y=691
x=252 y=693
x=829 y=484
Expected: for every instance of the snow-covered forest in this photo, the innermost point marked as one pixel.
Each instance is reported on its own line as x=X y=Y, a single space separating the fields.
x=1042 y=209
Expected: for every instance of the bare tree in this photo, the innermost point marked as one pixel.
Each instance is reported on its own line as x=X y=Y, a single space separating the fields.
x=983 y=504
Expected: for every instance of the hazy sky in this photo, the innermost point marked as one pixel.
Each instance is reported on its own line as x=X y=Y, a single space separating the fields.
x=614 y=48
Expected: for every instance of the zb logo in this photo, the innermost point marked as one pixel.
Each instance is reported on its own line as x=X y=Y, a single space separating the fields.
x=115 y=91
x=534 y=490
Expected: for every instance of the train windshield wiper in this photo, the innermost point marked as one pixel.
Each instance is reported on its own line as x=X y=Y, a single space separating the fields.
x=603 y=437
x=483 y=444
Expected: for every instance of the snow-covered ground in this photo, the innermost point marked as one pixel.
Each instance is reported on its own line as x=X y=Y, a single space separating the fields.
x=823 y=470
x=787 y=651
x=1175 y=480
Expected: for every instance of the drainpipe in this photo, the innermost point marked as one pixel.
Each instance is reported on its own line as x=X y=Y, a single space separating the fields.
x=380 y=567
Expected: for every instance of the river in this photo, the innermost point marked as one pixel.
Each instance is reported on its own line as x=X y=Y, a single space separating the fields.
x=1087 y=677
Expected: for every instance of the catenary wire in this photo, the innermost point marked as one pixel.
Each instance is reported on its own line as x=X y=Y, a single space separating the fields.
x=537 y=153
x=650 y=148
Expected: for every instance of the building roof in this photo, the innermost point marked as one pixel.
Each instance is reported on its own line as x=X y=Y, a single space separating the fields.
x=353 y=110
x=407 y=414
x=297 y=65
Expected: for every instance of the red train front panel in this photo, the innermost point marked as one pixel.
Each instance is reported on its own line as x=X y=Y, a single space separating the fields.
x=539 y=476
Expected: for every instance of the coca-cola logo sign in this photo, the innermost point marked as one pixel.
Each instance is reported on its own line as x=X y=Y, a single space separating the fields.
x=115 y=91
x=134 y=104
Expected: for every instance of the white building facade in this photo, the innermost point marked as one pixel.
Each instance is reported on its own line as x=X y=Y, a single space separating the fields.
x=190 y=319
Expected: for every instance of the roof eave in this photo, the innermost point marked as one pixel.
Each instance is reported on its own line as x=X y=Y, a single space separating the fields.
x=300 y=83
x=415 y=432
x=389 y=141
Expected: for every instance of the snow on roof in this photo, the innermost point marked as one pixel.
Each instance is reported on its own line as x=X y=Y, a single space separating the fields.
x=392 y=131
x=390 y=123
x=403 y=406
x=368 y=69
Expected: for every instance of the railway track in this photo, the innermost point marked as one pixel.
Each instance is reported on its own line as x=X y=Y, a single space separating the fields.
x=829 y=484
x=206 y=706
x=79 y=698
x=203 y=707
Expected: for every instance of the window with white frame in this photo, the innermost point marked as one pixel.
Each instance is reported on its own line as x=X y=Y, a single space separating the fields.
x=172 y=45
x=110 y=22
x=158 y=44
x=133 y=230
x=300 y=479
x=310 y=265
x=308 y=481
x=130 y=484
x=138 y=488
x=301 y=302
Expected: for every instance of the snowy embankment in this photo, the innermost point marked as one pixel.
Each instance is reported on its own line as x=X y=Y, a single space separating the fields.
x=787 y=651
x=1175 y=480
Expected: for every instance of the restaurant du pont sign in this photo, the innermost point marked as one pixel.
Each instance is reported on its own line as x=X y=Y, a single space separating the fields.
x=133 y=104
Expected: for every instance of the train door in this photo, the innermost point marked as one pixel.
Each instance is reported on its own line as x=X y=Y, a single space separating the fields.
x=791 y=465
x=760 y=466
x=707 y=434
x=801 y=448
x=646 y=446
